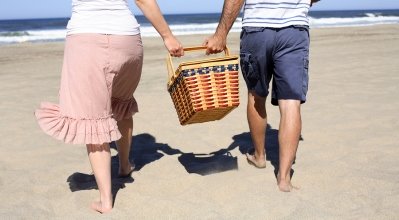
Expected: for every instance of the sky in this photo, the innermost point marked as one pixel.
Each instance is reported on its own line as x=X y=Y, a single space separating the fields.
x=20 y=9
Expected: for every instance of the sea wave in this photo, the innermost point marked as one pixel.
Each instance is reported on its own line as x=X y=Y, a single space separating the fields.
x=373 y=15
x=191 y=28
x=369 y=19
x=187 y=29
x=14 y=34
x=32 y=36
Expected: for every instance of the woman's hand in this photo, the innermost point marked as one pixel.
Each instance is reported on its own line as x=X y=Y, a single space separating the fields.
x=173 y=45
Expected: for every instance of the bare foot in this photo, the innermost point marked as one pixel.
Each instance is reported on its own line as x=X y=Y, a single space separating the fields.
x=126 y=171
x=99 y=207
x=285 y=184
x=258 y=163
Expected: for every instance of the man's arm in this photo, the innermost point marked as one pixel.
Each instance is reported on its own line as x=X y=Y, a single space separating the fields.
x=217 y=42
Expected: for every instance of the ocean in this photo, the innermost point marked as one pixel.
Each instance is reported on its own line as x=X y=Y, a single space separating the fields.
x=53 y=29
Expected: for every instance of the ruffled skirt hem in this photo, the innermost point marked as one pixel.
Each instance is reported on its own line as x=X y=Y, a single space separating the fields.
x=123 y=109
x=76 y=131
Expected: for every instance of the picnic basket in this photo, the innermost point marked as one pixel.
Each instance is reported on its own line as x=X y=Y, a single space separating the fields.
x=205 y=89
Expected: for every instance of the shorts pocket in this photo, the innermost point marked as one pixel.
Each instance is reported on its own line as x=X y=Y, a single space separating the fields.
x=305 y=78
x=249 y=68
x=253 y=29
x=245 y=31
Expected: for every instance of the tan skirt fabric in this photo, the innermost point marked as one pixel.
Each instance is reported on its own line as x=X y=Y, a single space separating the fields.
x=99 y=76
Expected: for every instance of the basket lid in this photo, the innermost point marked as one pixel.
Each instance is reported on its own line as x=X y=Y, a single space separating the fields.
x=226 y=60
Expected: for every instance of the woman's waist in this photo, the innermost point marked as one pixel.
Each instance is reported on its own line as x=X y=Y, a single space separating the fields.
x=103 y=23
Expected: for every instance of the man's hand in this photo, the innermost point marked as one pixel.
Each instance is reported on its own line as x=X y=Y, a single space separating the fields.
x=215 y=44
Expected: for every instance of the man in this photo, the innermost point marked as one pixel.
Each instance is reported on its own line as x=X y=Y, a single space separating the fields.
x=274 y=45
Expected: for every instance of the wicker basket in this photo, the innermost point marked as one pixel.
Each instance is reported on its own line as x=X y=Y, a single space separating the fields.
x=204 y=90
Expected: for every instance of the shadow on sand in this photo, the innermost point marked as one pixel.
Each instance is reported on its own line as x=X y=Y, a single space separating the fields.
x=244 y=143
x=146 y=150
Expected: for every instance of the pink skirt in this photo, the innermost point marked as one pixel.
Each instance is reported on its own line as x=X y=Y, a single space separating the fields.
x=99 y=76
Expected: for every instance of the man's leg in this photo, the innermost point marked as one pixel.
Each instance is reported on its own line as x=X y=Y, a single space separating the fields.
x=100 y=160
x=257 y=120
x=289 y=132
x=124 y=144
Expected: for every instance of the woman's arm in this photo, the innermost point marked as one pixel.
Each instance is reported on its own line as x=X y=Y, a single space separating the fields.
x=152 y=12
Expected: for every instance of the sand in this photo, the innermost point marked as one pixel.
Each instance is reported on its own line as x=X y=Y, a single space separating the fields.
x=346 y=164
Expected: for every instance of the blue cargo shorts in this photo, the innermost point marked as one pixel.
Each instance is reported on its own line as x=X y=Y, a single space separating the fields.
x=277 y=54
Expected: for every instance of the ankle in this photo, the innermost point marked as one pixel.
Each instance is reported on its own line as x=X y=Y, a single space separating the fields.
x=283 y=178
x=260 y=156
x=125 y=165
x=106 y=201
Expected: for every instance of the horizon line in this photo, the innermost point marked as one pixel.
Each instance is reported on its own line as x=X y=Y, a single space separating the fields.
x=317 y=10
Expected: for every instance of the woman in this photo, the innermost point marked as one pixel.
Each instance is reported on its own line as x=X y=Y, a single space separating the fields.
x=101 y=69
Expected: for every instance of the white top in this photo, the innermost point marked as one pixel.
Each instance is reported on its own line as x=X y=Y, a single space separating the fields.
x=103 y=17
x=275 y=13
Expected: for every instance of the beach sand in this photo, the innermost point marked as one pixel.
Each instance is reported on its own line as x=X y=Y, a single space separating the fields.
x=346 y=165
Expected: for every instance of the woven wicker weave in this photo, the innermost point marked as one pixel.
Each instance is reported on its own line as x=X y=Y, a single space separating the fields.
x=204 y=90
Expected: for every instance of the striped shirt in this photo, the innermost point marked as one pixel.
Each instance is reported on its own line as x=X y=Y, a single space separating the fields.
x=275 y=13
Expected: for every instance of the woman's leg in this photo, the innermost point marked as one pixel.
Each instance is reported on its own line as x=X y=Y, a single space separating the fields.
x=126 y=61
x=100 y=160
x=124 y=144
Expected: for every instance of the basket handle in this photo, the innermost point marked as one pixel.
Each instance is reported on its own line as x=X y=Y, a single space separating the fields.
x=169 y=62
x=195 y=48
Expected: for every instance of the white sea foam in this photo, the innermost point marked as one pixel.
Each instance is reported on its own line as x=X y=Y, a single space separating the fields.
x=207 y=28
x=371 y=19
x=186 y=29
x=32 y=36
